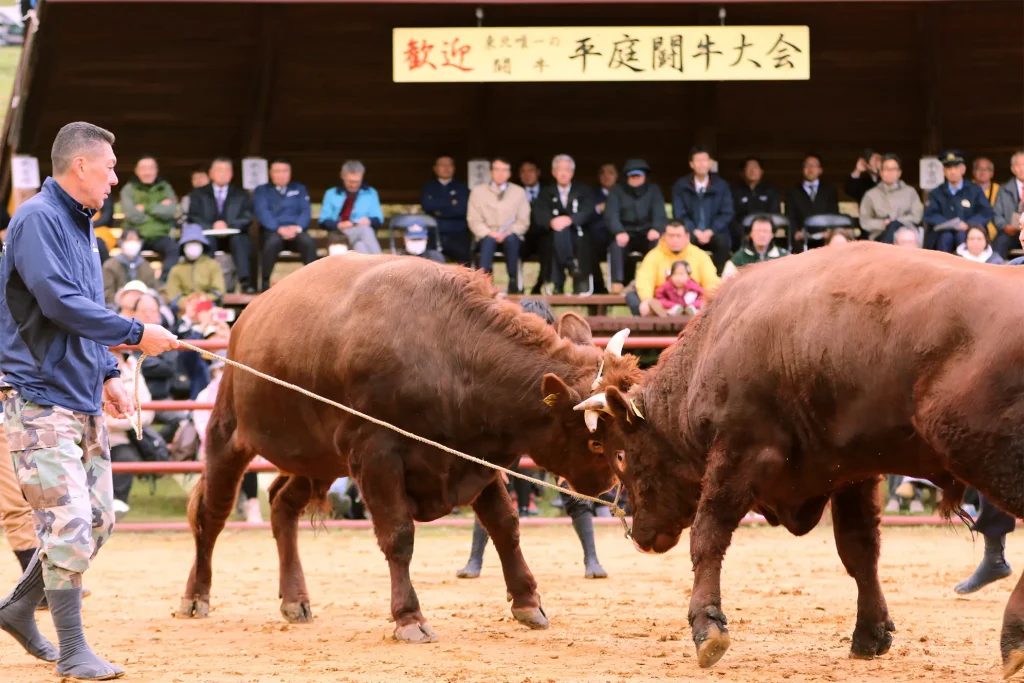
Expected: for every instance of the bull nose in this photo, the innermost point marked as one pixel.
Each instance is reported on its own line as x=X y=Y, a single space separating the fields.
x=664 y=542
x=645 y=552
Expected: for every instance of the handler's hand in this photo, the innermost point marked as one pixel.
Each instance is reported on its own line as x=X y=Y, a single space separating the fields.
x=116 y=401
x=156 y=340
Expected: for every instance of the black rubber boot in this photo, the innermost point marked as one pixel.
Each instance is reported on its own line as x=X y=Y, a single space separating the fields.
x=584 y=526
x=18 y=612
x=76 y=660
x=476 y=554
x=992 y=568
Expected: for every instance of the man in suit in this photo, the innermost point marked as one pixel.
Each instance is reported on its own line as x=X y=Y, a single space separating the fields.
x=600 y=237
x=1008 y=206
x=752 y=197
x=446 y=199
x=954 y=206
x=283 y=210
x=222 y=206
x=537 y=242
x=810 y=198
x=564 y=209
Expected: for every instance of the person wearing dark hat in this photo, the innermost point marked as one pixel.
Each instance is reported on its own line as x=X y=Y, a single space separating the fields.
x=635 y=216
x=416 y=240
x=954 y=206
x=127 y=266
x=196 y=272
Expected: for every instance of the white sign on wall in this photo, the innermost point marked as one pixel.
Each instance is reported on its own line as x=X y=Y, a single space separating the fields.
x=479 y=172
x=25 y=172
x=931 y=173
x=254 y=172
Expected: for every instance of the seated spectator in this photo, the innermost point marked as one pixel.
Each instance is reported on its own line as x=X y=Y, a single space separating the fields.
x=149 y=205
x=102 y=225
x=197 y=272
x=865 y=175
x=499 y=214
x=891 y=204
x=703 y=203
x=982 y=172
x=838 y=236
x=564 y=209
x=679 y=294
x=222 y=206
x=810 y=198
x=283 y=211
x=337 y=243
x=608 y=176
x=537 y=243
x=120 y=433
x=674 y=246
x=976 y=247
x=752 y=196
x=758 y=247
x=416 y=240
x=635 y=217
x=907 y=237
x=954 y=206
x=1008 y=208
x=353 y=208
x=446 y=199
x=200 y=178
x=127 y=266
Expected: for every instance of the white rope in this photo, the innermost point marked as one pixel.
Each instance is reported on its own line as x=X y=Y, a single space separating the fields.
x=615 y=509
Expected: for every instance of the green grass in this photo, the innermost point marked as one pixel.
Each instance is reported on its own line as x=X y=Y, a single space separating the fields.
x=9 y=57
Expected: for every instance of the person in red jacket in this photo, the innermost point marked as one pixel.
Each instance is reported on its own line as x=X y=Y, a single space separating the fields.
x=679 y=294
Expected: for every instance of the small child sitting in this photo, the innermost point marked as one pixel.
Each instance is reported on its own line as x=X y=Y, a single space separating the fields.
x=679 y=295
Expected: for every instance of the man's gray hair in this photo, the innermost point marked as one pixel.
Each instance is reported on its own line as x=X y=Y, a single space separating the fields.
x=75 y=140
x=912 y=231
x=563 y=157
x=353 y=166
x=1018 y=153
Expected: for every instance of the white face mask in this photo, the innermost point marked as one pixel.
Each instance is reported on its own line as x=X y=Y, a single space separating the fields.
x=193 y=250
x=336 y=249
x=131 y=248
x=415 y=247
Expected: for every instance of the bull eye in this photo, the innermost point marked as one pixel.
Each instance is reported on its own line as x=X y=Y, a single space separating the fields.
x=621 y=457
x=595 y=446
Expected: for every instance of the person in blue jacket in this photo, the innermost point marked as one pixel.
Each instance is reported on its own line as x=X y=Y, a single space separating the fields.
x=447 y=200
x=57 y=376
x=957 y=201
x=354 y=209
x=702 y=202
x=283 y=210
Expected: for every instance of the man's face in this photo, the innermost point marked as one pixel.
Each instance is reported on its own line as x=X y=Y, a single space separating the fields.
x=983 y=171
x=352 y=181
x=147 y=310
x=954 y=174
x=875 y=162
x=563 y=172
x=812 y=169
x=500 y=172
x=529 y=174
x=761 y=233
x=700 y=164
x=752 y=172
x=636 y=179
x=280 y=174
x=906 y=239
x=146 y=170
x=676 y=238
x=609 y=176
x=444 y=168
x=200 y=179
x=890 y=171
x=95 y=174
x=221 y=173
x=1017 y=167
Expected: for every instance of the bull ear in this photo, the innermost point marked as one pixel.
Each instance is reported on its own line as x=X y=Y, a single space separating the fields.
x=625 y=409
x=573 y=327
x=556 y=393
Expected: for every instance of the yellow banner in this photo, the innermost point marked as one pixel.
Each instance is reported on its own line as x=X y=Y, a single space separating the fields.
x=588 y=53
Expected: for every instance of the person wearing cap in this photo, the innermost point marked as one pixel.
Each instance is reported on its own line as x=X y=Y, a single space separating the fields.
x=196 y=272
x=283 y=210
x=127 y=266
x=149 y=206
x=1008 y=207
x=415 y=241
x=635 y=216
x=954 y=206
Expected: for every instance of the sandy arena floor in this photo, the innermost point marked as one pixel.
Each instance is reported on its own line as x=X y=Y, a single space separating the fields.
x=790 y=605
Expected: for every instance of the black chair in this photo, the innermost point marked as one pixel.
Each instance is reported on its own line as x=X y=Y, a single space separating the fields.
x=403 y=221
x=822 y=223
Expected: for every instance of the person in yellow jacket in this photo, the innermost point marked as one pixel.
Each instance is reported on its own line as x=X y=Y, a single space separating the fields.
x=982 y=172
x=674 y=246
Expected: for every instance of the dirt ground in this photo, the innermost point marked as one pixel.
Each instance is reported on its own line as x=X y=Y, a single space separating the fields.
x=790 y=605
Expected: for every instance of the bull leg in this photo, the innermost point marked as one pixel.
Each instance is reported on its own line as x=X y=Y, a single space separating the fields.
x=211 y=504
x=727 y=496
x=288 y=499
x=855 y=522
x=498 y=516
x=385 y=497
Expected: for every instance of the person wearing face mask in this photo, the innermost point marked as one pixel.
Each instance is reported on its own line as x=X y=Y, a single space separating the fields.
x=127 y=266
x=196 y=272
x=416 y=239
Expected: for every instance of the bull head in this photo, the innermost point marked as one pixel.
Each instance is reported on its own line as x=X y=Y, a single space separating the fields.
x=598 y=403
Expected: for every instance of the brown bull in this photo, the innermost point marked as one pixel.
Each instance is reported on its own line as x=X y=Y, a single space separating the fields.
x=800 y=383
x=426 y=348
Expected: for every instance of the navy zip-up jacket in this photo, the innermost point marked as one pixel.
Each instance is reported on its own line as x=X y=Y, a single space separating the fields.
x=274 y=209
x=54 y=327
x=448 y=203
x=712 y=211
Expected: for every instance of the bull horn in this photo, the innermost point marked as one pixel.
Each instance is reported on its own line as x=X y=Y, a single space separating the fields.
x=591 y=417
x=597 y=403
x=617 y=341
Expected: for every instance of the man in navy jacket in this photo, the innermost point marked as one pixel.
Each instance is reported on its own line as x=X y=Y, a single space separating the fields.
x=447 y=200
x=58 y=374
x=703 y=203
x=283 y=210
x=957 y=201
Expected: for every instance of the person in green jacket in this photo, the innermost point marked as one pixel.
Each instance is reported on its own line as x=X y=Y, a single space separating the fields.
x=149 y=204
x=196 y=272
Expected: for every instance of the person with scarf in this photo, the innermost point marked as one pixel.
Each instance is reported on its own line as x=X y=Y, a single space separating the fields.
x=976 y=247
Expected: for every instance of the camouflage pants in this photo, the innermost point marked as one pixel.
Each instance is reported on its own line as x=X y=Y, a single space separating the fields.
x=15 y=513
x=63 y=465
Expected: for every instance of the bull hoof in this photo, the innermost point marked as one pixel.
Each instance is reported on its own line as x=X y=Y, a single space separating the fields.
x=713 y=647
x=415 y=634
x=1013 y=662
x=534 y=617
x=869 y=643
x=193 y=608
x=297 y=612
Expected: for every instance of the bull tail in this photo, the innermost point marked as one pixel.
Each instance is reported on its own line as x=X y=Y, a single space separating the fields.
x=195 y=502
x=319 y=508
x=952 y=497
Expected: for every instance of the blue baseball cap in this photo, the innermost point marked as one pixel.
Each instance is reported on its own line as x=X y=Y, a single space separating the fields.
x=416 y=232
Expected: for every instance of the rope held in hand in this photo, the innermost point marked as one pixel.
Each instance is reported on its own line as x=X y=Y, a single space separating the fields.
x=615 y=509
